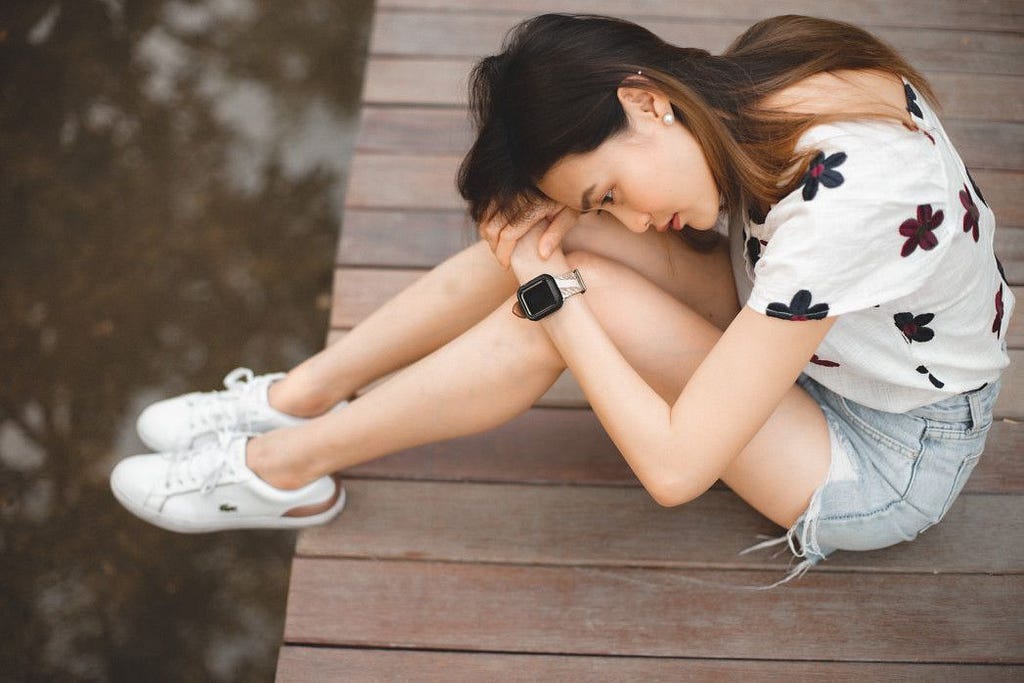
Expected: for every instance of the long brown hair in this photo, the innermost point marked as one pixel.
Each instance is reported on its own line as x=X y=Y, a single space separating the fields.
x=552 y=92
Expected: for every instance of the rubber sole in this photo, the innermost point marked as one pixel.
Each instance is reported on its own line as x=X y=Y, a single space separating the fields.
x=186 y=527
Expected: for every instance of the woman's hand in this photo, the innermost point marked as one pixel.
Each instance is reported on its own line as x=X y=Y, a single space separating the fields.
x=503 y=236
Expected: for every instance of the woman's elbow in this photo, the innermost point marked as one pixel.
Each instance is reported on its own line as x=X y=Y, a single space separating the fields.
x=670 y=491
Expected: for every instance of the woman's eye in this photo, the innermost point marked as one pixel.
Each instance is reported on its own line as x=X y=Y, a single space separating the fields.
x=606 y=199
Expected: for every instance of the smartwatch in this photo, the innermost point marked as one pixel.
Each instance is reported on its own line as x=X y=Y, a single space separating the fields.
x=544 y=294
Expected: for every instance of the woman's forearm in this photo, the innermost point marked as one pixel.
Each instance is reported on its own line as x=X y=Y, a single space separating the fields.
x=636 y=418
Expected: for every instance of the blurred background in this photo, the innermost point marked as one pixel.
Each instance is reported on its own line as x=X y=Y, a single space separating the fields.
x=171 y=179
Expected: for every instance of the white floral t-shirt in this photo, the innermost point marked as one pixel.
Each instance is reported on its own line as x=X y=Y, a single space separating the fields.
x=888 y=232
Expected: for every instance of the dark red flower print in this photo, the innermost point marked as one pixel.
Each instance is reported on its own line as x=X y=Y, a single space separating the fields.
x=824 y=363
x=936 y=382
x=971 y=213
x=997 y=324
x=912 y=105
x=913 y=326
x=822 y=172
x=928 y=135
x=799 y=308
x=977 y=191
x=918 y=231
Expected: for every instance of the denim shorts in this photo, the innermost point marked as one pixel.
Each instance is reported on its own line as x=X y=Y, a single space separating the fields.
x=893 y=475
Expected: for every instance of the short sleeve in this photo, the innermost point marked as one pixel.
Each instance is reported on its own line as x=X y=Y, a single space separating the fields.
x=868 y=224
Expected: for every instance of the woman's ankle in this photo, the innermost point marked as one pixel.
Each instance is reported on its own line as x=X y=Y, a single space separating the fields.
x=285 y=396
x=272 y=470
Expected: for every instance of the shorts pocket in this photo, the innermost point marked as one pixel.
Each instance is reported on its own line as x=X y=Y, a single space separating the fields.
x=962 y=475
x=900 y=433
x=942 y=472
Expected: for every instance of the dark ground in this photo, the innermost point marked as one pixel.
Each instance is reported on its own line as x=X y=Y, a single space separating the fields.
x=171 y=177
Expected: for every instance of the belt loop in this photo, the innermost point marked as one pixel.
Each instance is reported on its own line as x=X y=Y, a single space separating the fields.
x=974 y=401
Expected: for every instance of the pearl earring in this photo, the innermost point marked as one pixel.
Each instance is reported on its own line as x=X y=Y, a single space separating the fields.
x=668 y=119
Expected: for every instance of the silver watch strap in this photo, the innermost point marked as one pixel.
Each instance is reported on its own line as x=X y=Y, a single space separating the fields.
x=570 y=283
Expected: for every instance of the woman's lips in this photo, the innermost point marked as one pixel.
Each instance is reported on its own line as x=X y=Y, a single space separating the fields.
x=673 y=223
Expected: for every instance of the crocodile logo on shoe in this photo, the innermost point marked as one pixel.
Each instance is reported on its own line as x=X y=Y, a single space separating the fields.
x=224 y=507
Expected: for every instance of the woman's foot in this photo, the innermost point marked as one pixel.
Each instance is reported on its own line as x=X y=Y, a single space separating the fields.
x=177 y=424
x=212 y=488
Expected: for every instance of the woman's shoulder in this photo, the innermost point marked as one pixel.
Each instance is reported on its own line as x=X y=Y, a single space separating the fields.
x=841 y=92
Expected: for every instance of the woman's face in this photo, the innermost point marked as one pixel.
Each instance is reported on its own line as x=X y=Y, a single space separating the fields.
x=651 y=175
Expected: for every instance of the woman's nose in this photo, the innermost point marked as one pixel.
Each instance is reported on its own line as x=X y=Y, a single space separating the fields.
x=639 y=220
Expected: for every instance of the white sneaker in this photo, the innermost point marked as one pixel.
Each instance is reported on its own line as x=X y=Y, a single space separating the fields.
x=175 y=424
x=211 y=489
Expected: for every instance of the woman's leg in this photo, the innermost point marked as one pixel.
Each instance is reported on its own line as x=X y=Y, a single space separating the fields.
x=442 y=304
x=462 y=290
x=499 y=367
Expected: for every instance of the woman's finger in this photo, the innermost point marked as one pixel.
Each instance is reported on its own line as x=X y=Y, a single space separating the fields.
x=491 y=230
x=510 y=236
x=562 y=223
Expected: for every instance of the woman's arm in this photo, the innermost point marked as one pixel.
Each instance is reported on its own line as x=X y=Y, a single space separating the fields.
x=678 y=451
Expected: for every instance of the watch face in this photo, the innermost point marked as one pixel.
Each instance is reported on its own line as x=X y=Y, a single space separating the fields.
x=539 y=297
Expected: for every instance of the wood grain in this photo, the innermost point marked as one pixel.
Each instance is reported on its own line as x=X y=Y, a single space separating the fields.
x=569 y=446
x=443 y=81
x=655 y=612
x=360 y=291
x=624 y=527
x=388 y=129
x=995 y=15
x=403 y=181
x=414 y=33
x=298 y=664
x=411 y=239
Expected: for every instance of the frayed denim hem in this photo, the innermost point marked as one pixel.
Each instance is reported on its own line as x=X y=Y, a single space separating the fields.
x=802 y=541
x=802 y=537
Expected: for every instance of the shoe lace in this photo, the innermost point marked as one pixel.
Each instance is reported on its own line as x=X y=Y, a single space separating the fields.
x=205 y=465
x=232 y=406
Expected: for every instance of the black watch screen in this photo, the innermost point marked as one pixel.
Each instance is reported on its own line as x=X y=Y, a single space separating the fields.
x=539 y=297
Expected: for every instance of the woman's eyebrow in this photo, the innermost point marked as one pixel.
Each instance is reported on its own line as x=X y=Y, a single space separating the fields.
x=585 y=198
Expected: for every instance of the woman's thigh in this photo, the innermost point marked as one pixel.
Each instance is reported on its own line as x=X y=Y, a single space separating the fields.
x=702 y=281
x=665 y=340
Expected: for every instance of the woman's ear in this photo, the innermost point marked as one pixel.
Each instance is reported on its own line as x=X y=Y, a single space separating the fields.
x=643 y=105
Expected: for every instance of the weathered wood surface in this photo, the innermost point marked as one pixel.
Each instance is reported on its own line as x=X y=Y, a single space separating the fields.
x=304 y=664
x=568 y=446
x=530 y=552
x=655 y=612
x=995 y=145
x=622 y=527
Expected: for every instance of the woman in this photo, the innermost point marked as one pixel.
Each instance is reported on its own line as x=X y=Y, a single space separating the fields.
x=847 y=400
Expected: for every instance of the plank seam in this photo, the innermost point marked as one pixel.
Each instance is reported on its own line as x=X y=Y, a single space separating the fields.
x=301 y=645
x=705 y=567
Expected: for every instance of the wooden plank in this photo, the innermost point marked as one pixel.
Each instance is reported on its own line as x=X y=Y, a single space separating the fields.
x=1009 y=248
x=422 y=239
x=303 y=664
x=995 y=15
x=656 y=612
x=569 y=446
x=442 y=81
x=984 y=145
x=396 y=181
x=360 y=291
x=411 y=239
x=1003 y=192
x=428 y=34
x=402 y=181
x=624 y=527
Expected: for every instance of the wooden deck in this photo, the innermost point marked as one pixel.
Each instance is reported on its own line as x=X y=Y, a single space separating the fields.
x=530 y=552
